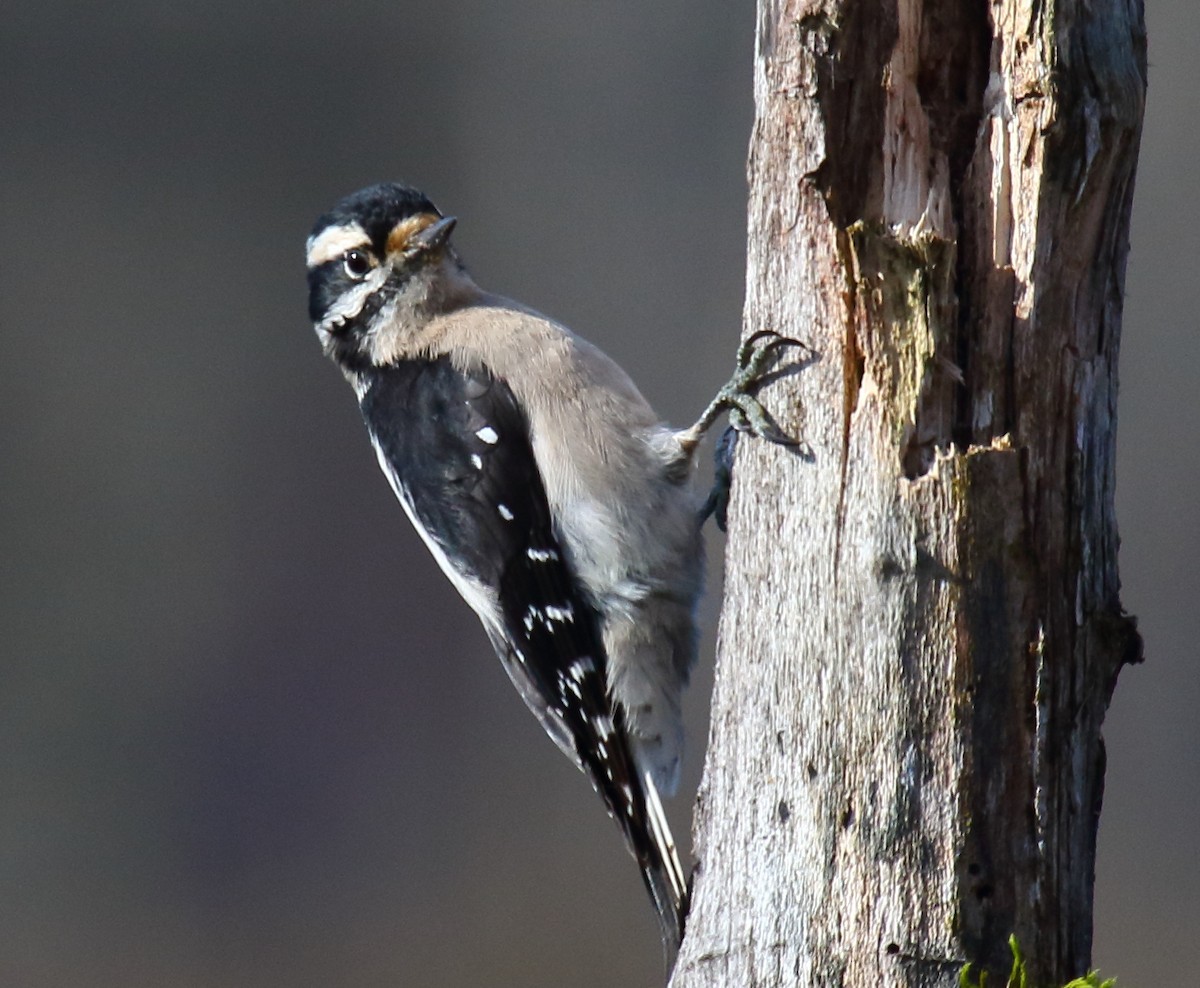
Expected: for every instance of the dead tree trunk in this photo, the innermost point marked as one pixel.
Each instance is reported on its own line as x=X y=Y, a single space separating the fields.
x=922 y=628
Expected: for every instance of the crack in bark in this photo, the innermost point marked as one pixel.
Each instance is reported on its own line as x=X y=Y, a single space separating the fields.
x=853 y=368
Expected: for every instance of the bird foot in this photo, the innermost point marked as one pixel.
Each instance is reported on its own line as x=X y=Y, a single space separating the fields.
x=755 y=357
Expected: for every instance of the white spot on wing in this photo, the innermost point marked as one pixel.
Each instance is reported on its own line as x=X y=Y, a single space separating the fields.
x=532 y=614
x=476 y=461
x=564 y=615
x=488 y=435
x=541 y=555
x=581 y=667
x=505 y=512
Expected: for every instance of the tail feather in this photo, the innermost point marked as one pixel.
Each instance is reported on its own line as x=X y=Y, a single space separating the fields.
x=663 y=874
x=627 y=785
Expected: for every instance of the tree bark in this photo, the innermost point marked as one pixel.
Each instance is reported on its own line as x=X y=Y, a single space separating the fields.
x=921 y=629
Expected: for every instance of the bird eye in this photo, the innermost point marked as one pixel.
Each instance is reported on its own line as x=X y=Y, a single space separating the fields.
x=357 y=263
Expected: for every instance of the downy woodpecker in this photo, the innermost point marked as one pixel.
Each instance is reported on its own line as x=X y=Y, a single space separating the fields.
x=558 y=504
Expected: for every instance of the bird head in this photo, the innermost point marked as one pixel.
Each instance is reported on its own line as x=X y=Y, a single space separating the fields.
x=380 y=265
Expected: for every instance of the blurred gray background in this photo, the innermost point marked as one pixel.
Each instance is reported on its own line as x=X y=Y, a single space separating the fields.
x=248 y=734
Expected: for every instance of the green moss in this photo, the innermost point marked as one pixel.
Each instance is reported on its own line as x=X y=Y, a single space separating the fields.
x=906 y=287
x=1017 y=978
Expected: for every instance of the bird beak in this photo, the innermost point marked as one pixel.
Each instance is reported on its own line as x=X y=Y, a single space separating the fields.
x=433 y=236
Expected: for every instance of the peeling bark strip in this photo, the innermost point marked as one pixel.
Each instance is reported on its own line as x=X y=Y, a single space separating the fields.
x=922 y=628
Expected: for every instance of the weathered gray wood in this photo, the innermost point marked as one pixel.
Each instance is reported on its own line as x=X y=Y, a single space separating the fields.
x=921 y=628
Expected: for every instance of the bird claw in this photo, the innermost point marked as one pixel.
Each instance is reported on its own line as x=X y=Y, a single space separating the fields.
x=746 y=414
x=755 y=359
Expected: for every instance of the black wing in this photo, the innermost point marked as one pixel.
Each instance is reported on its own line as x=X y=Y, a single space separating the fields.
x=457 y=449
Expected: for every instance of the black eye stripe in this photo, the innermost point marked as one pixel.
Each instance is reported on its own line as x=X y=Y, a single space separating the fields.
x=328 y=283
x=327 y=271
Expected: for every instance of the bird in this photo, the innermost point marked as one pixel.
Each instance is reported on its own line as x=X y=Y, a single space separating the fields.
x=554 y=499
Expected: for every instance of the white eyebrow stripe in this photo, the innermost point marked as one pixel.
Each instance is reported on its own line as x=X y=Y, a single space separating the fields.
x=334 y=242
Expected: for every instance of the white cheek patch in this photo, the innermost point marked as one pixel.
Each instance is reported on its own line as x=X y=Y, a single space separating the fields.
x=334 y=241
x=351 y=302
